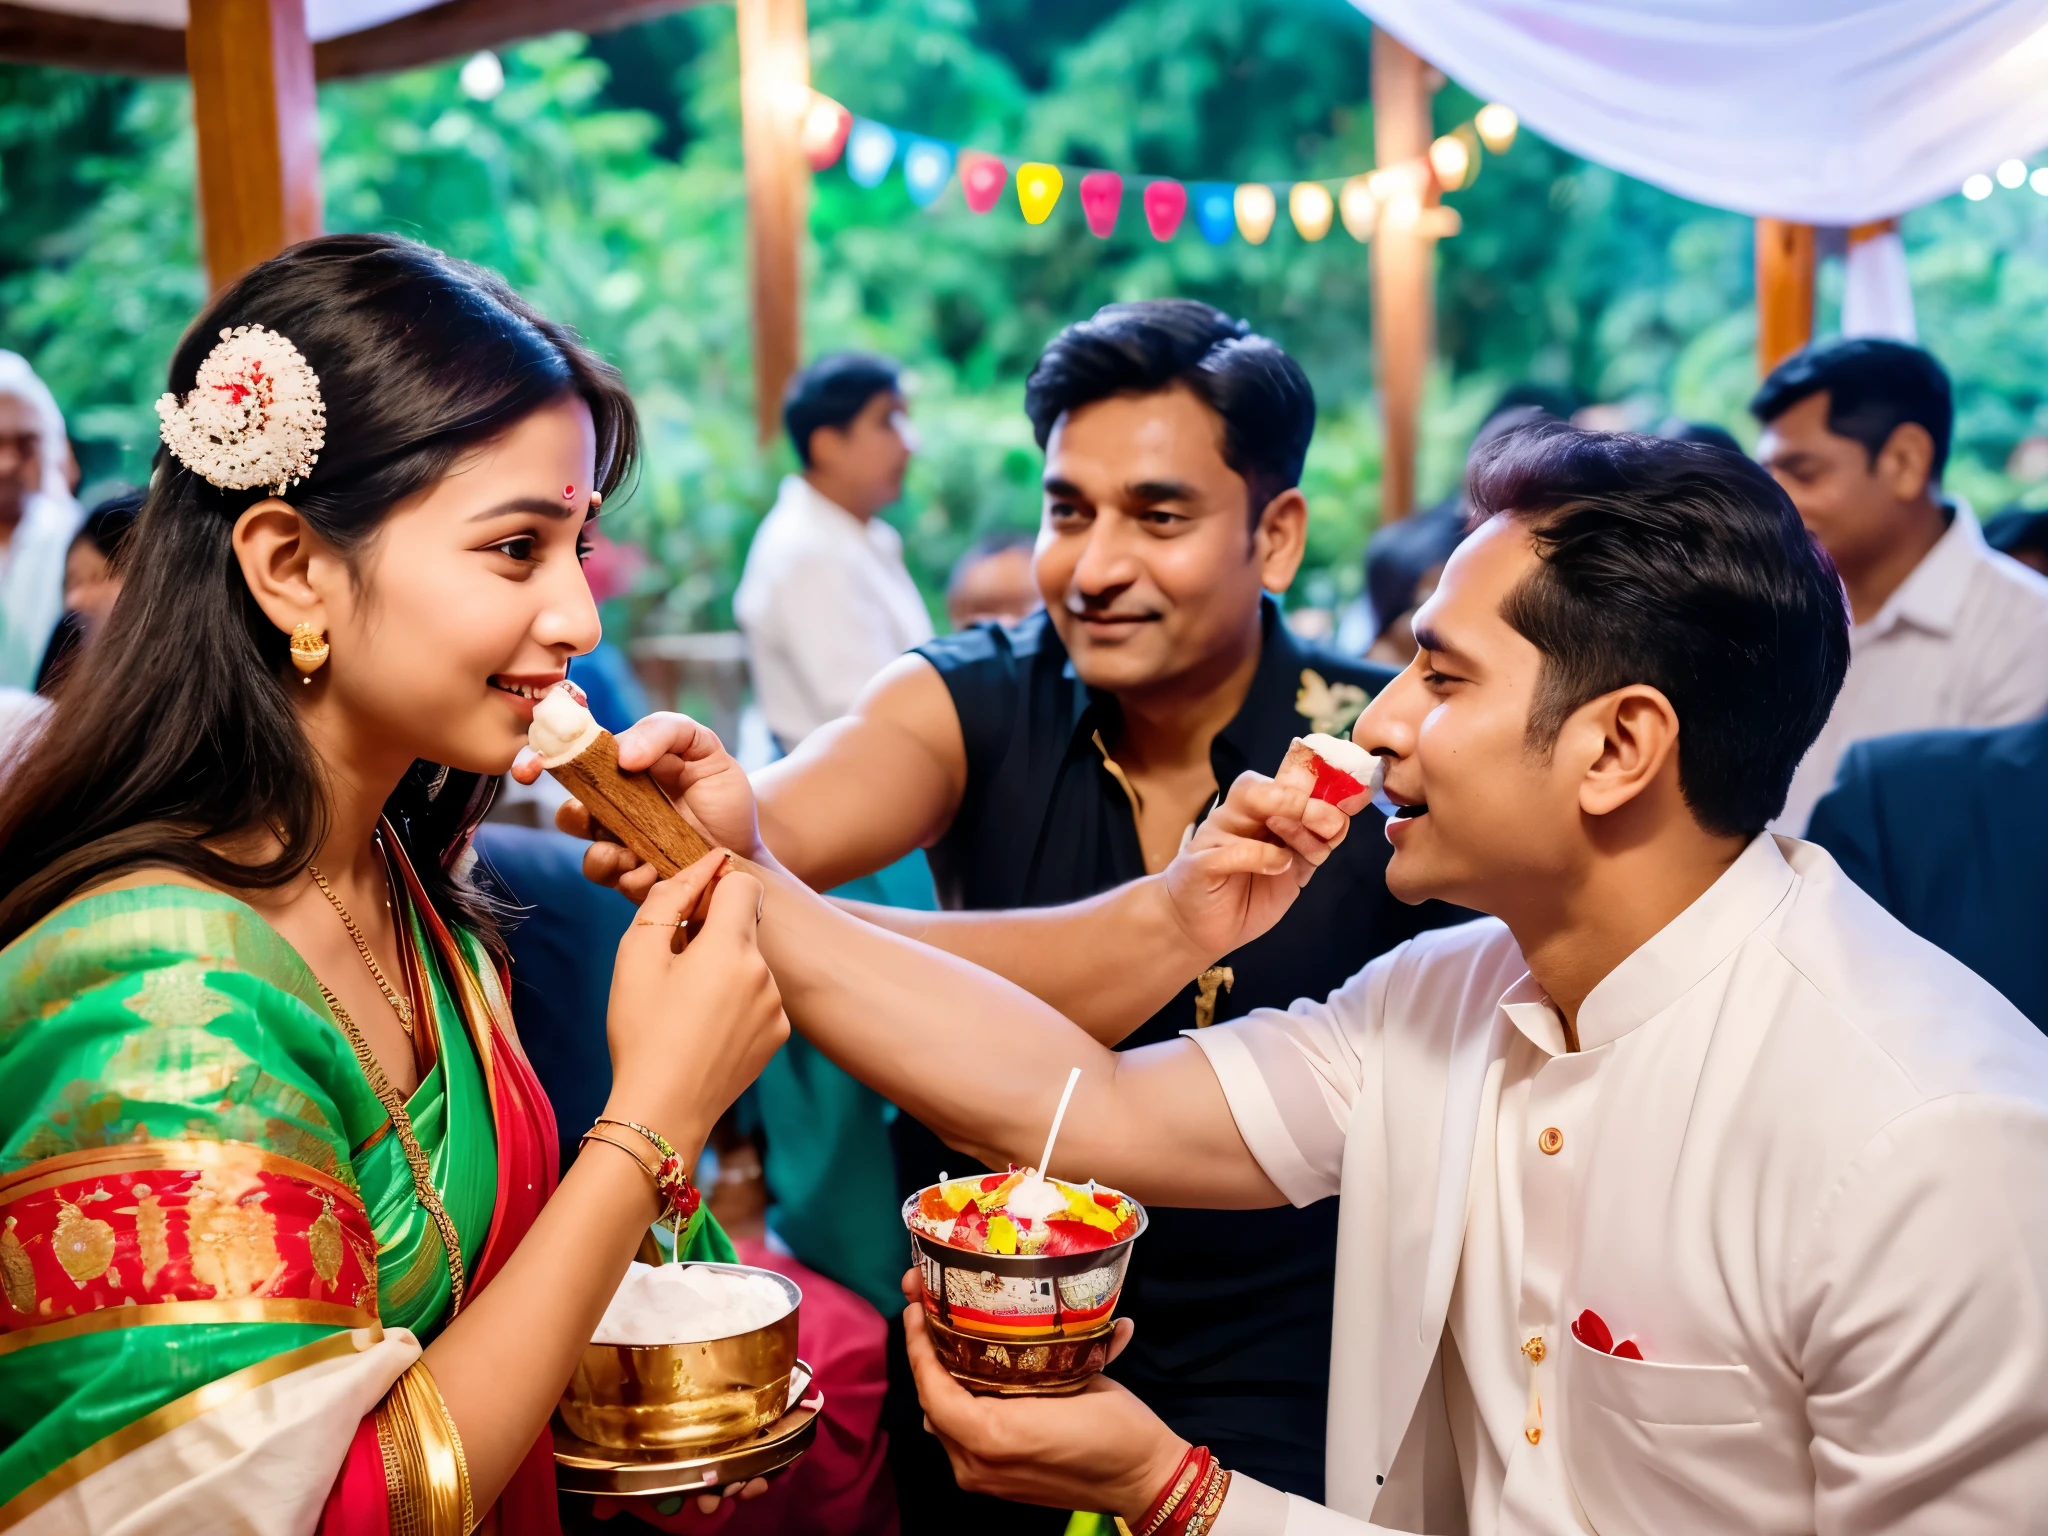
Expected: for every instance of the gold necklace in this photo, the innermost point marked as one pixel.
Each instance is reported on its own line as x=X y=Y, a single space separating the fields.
x=399 y=1005
x=415 y=1156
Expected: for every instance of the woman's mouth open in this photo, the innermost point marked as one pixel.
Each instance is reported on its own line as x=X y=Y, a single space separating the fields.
x=524 y=691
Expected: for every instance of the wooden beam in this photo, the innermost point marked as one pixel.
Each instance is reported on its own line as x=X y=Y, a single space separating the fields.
x=1784 y=290
x=775 y=92
x=71 y=41
x=1402 y=256
x=259 y=152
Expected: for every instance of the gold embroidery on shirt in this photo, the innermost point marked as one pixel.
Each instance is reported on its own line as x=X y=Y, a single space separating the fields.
x=232 y=1238
x=1116 y=771
x=177 y=996
x=84 y=1244
x=16 y=1272
x=1330 y=708
x=1218 y=978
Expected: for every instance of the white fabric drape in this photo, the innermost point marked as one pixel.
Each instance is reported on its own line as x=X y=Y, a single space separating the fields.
x=1877 y=295
x=1822 y=111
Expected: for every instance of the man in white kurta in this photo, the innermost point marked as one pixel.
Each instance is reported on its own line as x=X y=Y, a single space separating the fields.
x=1737 y=1170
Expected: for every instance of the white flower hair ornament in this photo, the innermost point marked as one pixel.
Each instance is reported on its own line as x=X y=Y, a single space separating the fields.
x=254 y=416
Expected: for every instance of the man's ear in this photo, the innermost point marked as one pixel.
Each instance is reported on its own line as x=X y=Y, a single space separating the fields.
x=1281 y=539
x=1628 y=738
x=276 y=550
x=1906 y=461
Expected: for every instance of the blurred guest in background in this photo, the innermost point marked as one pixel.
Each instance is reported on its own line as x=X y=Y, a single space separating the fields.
x=992 y=583
x=38 y=518
x=2022 y=533
x=1949 y=831
x=1402 y=565
x=825 y=600
x=1947 y=631
x=92 y=580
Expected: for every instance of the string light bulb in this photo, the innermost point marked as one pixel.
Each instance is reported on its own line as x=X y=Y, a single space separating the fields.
x=1255 y=206
x=1310 y=206
x=1102 y=195
x=1451 y=158
x=1166 y=204
x=823 y=134
x=1976 y=188
x=1213 y=212
x=1360 y=209
x=927 y=167
x=2039 y=180
x=870 y=151
x=1497 y=125
x=2012 y=173
x=981 y=181
x=1038 y=189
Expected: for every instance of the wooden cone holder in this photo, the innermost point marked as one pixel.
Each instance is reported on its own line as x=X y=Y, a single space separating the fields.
x=632 y=808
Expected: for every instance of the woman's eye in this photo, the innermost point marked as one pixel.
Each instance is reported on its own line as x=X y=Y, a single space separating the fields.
x=519 y=548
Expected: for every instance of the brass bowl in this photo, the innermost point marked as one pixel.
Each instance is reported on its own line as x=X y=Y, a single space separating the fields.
x=667 y=1396
x=1020 y=1325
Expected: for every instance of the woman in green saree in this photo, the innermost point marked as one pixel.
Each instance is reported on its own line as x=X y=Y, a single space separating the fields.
x=276 y=1234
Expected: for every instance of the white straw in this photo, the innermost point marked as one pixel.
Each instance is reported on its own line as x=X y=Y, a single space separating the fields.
x=1045 y=1158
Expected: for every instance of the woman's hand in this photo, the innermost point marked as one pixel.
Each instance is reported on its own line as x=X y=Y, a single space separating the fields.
x=1100 y=1449
x=693 y=768
x=1240 y=870
x=691 y=1023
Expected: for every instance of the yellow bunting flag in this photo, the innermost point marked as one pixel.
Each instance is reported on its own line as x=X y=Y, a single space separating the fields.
x=1255 y=206
x=1038 y=188
x=1309 y=205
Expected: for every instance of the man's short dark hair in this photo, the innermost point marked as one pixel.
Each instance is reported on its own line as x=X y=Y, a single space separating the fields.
x=1264 y=400
x=1873 y=386
x=831 y=392
x=1686 y=568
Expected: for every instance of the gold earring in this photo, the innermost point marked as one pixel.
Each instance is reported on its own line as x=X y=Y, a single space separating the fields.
x=309 y=650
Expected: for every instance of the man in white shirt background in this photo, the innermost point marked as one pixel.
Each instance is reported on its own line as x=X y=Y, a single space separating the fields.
x=825 y=600
x=1947 y=631
x=1691 y=1192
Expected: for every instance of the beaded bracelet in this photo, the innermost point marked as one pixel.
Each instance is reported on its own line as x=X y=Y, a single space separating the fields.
x=1206 y=1503
x=679 y=1195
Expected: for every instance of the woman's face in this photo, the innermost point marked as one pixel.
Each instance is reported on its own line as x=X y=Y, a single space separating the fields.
x=90 y=585
x=469 y=601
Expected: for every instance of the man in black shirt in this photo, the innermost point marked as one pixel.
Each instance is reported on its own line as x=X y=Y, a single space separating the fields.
x=1051 y=761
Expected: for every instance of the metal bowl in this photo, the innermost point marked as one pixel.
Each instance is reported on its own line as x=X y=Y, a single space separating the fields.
x=665 y=1396
x=1020 y=1325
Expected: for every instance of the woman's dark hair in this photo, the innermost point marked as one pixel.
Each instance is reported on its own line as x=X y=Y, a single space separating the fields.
x=182 y=733
x=1874 y=386
x=831 y=392
x=1264 y=400
x=111 y=520
x=1684 y=567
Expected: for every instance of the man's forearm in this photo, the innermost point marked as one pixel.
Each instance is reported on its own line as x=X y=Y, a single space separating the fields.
x=982 y=1062
x=1108 y=963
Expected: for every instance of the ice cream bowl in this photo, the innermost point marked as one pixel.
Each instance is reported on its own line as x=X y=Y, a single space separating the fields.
x=698 y=1395
x=1020 y=1325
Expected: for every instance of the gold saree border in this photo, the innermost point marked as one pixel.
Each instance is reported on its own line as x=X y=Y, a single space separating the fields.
x=146 y=1156
x=426 y=1476
x=173 y=1415
x=244 y=1309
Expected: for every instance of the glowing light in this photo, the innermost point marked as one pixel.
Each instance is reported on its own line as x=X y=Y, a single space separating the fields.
x=2012 y=173
x=1976 y=188
x=1166 y=204
x=927 y=167
x=1496 y=125
x=1451 y=158
x=1102 y=194
x=823 y=134
x=1255 y=206
x=1360 y=209
x=1038 y=189
x=981 y=181
x=483 y=76
x=1214 y=214
x=870 y=151
x=1310 y=206
x=2039 y=181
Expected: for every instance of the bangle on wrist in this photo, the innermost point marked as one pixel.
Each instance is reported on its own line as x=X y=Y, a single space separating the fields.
x=1159 y=1514
x=678 y=1194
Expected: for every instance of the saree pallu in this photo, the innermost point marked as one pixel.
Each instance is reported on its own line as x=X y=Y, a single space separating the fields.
x=217 y=1271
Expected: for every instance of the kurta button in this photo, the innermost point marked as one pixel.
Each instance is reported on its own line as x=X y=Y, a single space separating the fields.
x=1534 y=1350
x=1551 y=1142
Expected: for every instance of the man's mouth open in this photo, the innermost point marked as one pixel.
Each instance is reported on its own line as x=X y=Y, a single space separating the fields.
x=1410 y=812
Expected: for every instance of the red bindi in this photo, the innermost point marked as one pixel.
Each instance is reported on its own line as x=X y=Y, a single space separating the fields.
x=568 y=493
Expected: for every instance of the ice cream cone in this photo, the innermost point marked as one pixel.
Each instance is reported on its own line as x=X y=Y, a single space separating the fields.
x=630 y=806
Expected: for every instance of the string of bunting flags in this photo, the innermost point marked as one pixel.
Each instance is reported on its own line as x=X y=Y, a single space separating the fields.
x=1398 y=196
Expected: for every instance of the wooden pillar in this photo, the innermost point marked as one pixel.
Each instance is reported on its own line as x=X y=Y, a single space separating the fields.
x=775 y=93
x=1402 y=252
x=259 y=150
x=1784 y=290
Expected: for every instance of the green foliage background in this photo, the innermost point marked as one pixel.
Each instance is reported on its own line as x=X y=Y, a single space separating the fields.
x=605 y=182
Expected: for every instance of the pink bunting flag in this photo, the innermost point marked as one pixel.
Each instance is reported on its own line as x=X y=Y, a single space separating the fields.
x=1102 y=193
x=981 y=180
x=1166 y=203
